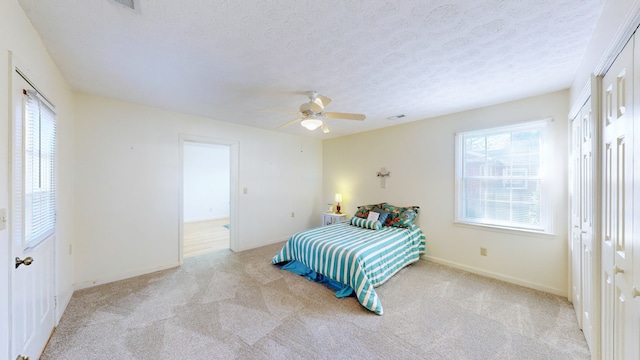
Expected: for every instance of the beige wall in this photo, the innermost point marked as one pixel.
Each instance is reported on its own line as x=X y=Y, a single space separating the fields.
x=18 y=37
x=128 y=186
x=420 y=156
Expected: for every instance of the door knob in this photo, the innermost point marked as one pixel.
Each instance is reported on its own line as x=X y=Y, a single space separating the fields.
x=27 y=261
x=20 y=357
x=635 y=292
x=616 y=270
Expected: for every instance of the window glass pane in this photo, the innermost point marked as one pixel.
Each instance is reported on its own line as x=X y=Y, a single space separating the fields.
x=499 y=176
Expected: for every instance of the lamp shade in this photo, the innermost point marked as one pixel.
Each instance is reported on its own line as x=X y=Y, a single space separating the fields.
x=338 y=198
x=311 y=122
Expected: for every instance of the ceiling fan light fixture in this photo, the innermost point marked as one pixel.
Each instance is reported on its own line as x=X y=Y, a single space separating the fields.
x=313 y=114
x=311 y=122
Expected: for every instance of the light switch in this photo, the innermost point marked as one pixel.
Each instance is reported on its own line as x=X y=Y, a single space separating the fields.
x=3 y=219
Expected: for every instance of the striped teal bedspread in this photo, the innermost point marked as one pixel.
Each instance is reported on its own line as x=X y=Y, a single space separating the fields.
x=360 y=258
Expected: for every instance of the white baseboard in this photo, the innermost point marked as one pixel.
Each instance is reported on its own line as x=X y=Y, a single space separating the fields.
x=498 y=276
x=61 y=305
x=266 y=243
x=110 y=279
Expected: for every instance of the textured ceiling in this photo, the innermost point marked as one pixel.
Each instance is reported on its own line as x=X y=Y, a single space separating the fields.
x=228 y=60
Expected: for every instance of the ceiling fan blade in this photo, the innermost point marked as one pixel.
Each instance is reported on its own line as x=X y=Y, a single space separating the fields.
x=322 y=101
x=335 y=115
x=280 y=111
x=325 y=127
x=290 y=123
x=310 y=106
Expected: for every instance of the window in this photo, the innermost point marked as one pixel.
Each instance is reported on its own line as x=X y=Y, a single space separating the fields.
x=499 y=177
x=37 y=159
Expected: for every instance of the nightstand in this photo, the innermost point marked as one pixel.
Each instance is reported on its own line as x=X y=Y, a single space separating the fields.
x=329 y=219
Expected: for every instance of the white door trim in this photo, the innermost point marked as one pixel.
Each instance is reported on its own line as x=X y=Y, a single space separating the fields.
x=5 y=247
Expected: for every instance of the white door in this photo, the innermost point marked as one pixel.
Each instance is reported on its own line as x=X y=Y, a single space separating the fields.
x=32 y=286
x=589 y=274
x=619 y=341
x=633 y=249
x=576 y=218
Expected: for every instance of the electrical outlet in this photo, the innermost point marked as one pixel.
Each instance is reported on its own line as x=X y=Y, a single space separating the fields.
x=245 y=190
x=70 y=249
x=483 y=251
x=293 y=214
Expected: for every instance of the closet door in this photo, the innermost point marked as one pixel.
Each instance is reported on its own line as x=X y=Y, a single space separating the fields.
x=619 y=341
x=585 y=260
x=590 y=271
x=633 y=330
x=576 y=218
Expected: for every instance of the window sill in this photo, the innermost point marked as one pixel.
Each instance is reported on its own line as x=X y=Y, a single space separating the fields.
x=506 y=230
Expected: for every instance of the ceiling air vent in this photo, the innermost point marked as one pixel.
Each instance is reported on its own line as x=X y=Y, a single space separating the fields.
x=396 y=117
x=131 y=4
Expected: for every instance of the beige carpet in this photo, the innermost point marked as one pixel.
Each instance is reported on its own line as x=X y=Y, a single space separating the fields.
x=228 y=305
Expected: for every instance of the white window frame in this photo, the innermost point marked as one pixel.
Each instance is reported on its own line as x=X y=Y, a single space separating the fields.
x=545 y=225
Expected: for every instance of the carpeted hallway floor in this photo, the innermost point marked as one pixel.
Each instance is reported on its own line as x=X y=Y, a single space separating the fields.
x=227 y=305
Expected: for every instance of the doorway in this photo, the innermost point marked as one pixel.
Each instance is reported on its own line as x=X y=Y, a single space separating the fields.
x=209 y=177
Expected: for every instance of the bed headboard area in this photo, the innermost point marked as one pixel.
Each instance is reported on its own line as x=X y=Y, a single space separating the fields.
x=397 y=216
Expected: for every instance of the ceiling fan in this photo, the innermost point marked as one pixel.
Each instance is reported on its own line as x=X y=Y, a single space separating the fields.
x=313 y=114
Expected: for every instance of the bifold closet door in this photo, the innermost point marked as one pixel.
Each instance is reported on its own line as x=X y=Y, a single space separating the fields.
x=576 y=216
x=590 y=271
x=619 y=316
x=585 y=260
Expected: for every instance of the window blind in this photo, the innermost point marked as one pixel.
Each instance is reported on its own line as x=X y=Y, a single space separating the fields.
x=500 y=177
x=39 y=169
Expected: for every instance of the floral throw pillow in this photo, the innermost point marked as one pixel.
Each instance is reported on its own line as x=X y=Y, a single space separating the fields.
x=400 y=216
x=363 y=211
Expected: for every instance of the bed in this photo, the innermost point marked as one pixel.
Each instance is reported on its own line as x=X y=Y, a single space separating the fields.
x=361 y=253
